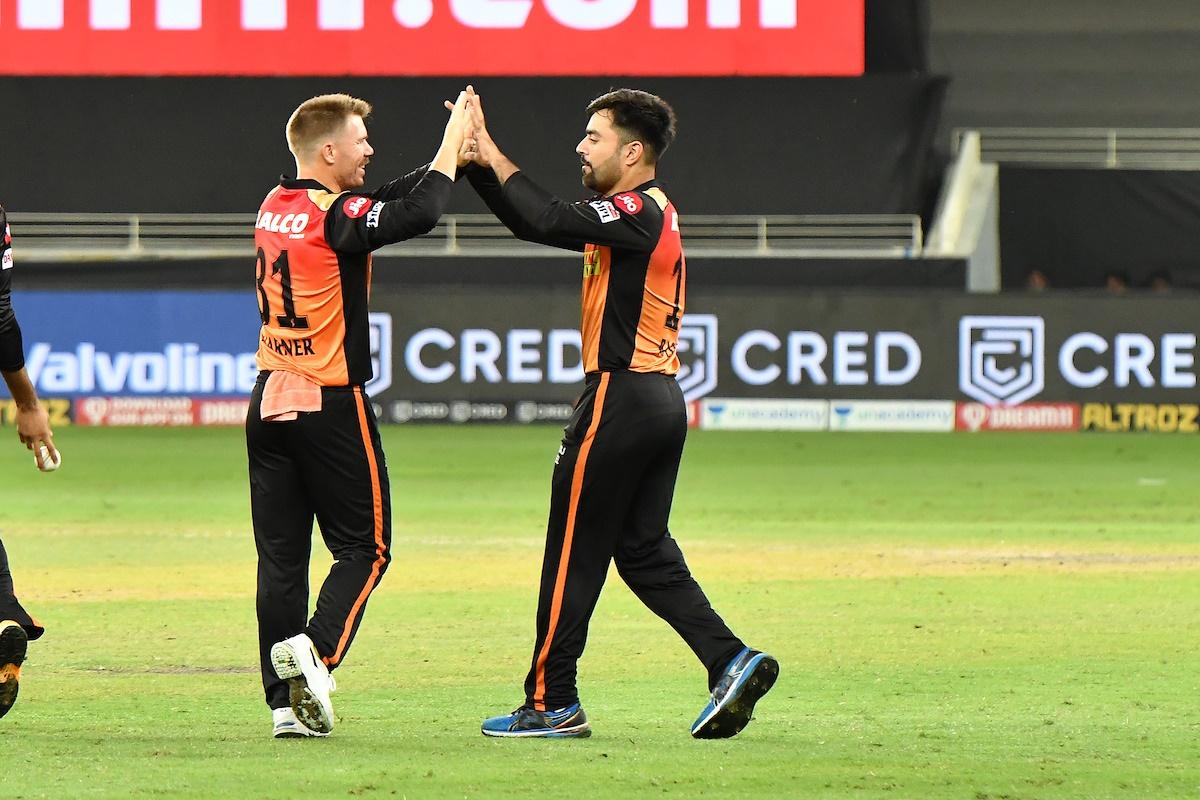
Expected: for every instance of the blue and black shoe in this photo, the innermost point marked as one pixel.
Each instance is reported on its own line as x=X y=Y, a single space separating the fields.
x=749 y=676
x=526 y=722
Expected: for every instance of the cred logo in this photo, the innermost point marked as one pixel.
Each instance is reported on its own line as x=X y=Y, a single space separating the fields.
x=697 y=355
x=1002 y=360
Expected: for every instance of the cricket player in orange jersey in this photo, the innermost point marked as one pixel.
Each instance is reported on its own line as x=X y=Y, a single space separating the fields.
x=311 y=435
x=614 y=477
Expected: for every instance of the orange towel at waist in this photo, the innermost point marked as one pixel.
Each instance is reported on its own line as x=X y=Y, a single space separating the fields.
x=286 y=395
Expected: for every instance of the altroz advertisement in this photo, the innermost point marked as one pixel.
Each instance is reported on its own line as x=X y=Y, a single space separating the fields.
x=513 y=354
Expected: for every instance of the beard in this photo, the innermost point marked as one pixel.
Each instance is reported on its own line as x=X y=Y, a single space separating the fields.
x=603 y=177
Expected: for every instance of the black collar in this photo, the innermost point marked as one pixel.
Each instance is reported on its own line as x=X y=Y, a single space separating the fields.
x=301 y=183
x=650 y=184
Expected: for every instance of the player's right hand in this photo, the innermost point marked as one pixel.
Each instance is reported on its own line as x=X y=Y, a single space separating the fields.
x=33 y=429
x=475 y=109
x=456 y=126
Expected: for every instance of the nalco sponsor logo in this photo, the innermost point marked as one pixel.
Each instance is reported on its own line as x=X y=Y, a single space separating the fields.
x=1027 y=417
x=293 y=224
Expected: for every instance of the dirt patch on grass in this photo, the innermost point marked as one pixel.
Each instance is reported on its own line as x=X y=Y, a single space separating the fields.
x=515 y=565
x=1062 y=559
x=171 y=669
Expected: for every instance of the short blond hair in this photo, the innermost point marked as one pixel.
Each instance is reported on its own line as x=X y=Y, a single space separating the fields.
x=320 y=117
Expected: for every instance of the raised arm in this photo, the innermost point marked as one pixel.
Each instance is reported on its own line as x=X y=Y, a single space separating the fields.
x=403 y=208
x=536 y=215
x=400 y=187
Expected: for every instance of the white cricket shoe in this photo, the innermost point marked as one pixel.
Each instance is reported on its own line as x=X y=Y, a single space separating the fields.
x=309 y=682
x=288 y=727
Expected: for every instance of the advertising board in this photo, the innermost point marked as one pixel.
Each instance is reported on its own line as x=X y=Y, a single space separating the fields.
x=421 y=37
x=512 y=354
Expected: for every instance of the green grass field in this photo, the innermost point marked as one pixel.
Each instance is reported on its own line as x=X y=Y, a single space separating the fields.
x=979 y=617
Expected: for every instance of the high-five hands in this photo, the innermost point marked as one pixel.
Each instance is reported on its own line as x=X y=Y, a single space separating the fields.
x=477 y=144
x=452 y=139
x=457 y=125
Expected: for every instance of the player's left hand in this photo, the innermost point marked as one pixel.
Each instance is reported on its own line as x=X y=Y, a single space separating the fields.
x=466 y=153
x=481 y=148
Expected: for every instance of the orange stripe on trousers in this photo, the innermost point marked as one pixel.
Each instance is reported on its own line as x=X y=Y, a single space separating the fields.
x=564 y=559
x=380 y=547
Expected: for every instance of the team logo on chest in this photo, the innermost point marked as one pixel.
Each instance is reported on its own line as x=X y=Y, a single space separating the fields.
x=591 y=261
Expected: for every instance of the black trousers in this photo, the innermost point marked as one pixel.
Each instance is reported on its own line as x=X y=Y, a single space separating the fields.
x=610 y=499
x=10 y=607
x=327 y=465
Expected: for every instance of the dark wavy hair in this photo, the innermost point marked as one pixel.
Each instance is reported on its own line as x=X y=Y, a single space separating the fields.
x=639 y=116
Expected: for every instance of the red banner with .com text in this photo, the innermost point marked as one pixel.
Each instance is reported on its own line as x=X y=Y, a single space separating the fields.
x=431 y=37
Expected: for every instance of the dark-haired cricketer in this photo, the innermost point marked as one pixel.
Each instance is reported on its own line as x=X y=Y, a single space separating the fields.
x=17 y=627
x=614 y=477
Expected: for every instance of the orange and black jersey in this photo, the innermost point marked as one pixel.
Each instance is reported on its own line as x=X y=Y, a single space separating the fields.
x=634 y=273
x=314 y=269
x=12 y=356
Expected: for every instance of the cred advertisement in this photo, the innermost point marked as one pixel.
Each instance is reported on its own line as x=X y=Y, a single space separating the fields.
x=993 y=351
x=497 y=354
x=424 y=37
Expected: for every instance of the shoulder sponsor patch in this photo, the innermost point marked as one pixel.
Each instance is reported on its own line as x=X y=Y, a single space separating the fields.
x=355 y=207
x=373 y=215
x=605 y=210
x=628 y=202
